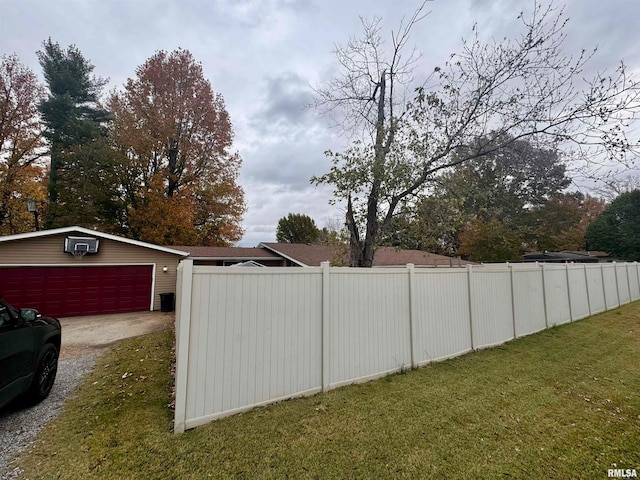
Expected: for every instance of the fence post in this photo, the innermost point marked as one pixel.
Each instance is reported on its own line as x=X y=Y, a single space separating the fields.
x=469 y=284
x=586 y=282
x=324 y=347
x=604 y=288
x=513 y=301
x=183 y=326
x=615 y=272
x=626 y=265
x=412 y=311
x=544 y=297
x=569 y=293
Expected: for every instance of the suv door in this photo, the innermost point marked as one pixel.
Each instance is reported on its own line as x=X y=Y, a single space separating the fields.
x=17 y=345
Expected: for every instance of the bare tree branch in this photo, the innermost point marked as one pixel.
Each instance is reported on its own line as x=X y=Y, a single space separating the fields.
x=486 y=97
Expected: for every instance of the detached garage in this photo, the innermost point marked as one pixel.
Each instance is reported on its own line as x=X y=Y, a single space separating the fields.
x=76 y=271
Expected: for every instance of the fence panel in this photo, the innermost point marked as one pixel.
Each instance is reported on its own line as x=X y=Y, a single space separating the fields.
x=622 y=280
x=492 y=310
x=610 y=285
x=369 y=323
x=441 y=316
x=255 y=337
x=247 y=337
x=595 y=288
x=528 y=297
x=578 y=292
x=557 y=295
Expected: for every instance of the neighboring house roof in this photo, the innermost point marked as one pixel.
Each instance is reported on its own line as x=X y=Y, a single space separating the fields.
x=389 y=256
x=248 y=263
x=229 y=253
x=92 y=233
x=302 y=254
x=313 y=255
x=564 y=256
x=589 y=253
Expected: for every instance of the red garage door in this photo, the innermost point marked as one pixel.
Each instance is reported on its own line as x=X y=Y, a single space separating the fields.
x=73 y=291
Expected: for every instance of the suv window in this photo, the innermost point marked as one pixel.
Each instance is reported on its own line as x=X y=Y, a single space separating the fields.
x=6 y=313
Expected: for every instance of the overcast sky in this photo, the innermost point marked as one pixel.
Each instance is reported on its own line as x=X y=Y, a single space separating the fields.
x=264 y=57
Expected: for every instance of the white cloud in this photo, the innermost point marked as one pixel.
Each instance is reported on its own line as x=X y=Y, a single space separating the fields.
x=269 y=202
x=264 y=55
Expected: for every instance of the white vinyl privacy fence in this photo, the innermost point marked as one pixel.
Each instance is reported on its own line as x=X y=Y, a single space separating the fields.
x=248 y=337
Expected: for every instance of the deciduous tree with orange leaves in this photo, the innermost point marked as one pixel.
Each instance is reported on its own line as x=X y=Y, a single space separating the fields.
x=21 y=145
x=175 y=136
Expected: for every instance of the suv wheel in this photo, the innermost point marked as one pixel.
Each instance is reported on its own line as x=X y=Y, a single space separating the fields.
x=45 y=374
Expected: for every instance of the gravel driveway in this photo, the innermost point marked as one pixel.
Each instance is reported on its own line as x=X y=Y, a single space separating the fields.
x=83 y=338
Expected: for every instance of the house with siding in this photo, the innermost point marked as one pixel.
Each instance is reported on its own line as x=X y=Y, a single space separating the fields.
x=75 y=271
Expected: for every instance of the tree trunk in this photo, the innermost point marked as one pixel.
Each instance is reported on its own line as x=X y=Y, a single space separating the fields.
x=54 y=174
x=173 y=163
x=53 y=186
x=367 y=248
x=355 y=248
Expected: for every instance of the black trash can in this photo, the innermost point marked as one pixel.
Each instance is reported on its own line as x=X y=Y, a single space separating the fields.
x=166 y=302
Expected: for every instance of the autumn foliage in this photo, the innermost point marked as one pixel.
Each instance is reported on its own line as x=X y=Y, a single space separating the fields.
x=155 y=165
x=175 y=134
x=21 y=146
x=156 y=206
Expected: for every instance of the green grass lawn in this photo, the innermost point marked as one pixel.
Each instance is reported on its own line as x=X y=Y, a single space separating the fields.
x=564 y=403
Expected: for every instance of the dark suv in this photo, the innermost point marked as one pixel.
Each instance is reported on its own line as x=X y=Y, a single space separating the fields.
x=29 y=347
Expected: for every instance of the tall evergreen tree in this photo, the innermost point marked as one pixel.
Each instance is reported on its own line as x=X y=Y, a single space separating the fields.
x=73 y=118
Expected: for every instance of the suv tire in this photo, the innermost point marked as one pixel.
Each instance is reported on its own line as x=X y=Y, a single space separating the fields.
x=45 y=374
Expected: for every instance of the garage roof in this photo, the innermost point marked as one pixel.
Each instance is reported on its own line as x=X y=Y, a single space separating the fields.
x=94 y=233
x=228 y=253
